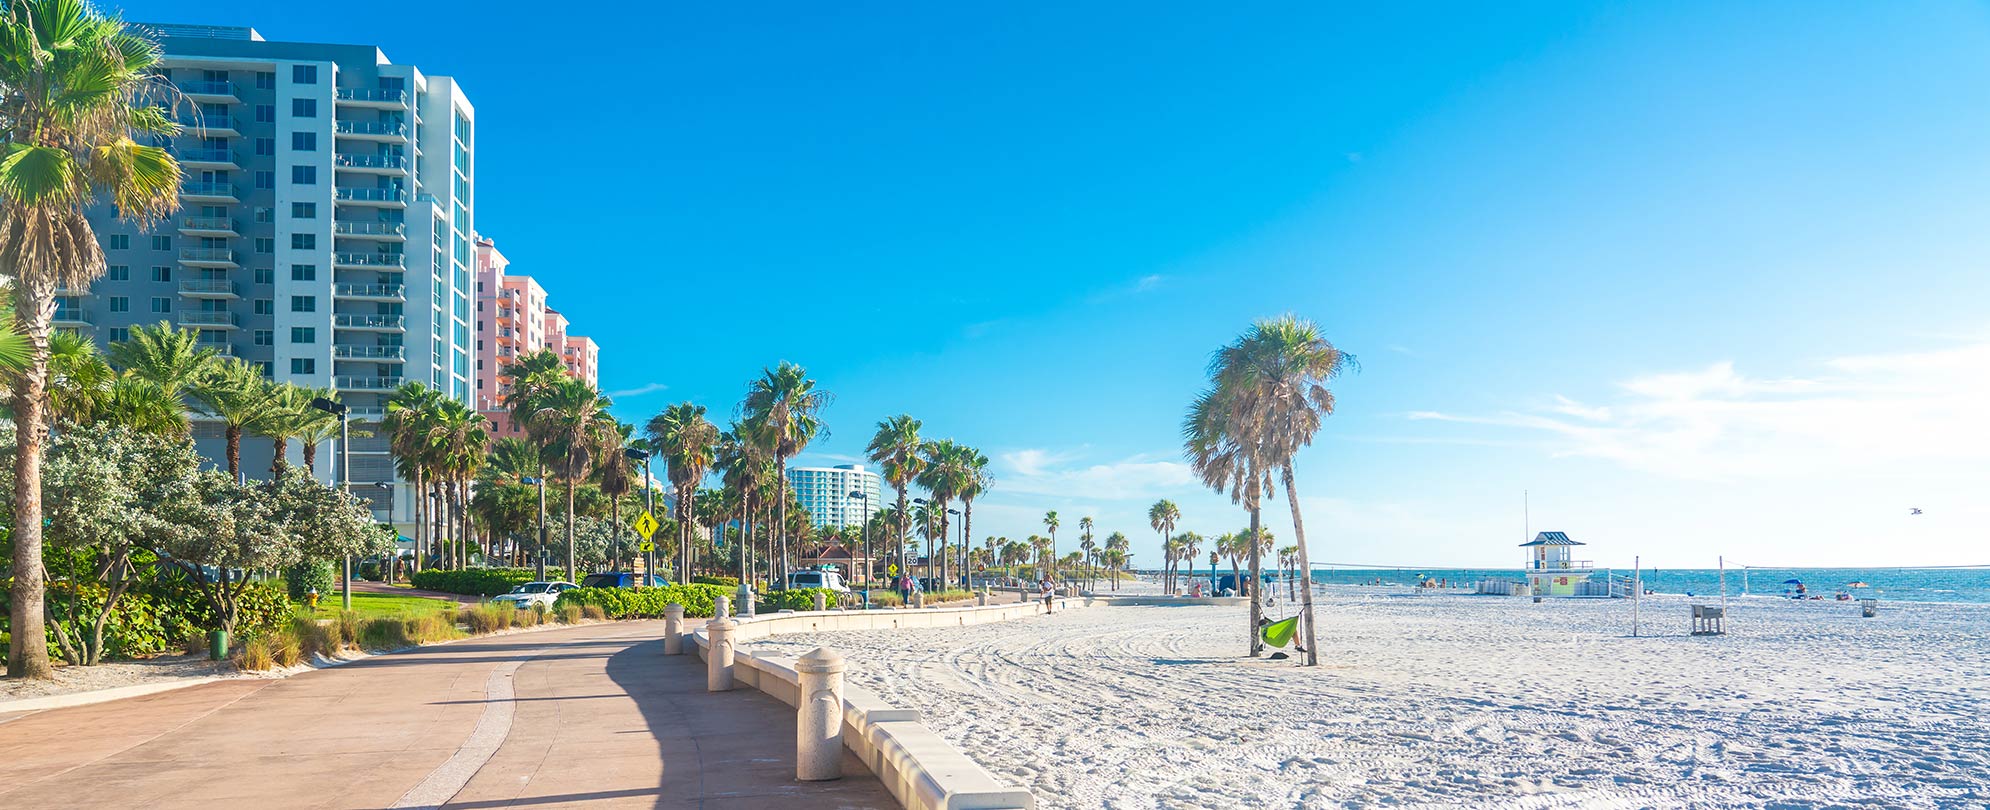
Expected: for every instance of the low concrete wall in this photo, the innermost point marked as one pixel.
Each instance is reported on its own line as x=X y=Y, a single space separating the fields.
x=1108 y=599
x=918 y=766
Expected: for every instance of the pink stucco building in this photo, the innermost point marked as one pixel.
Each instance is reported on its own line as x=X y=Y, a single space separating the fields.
x=513 y=320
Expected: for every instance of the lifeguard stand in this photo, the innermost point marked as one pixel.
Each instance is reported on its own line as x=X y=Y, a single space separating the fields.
x=1549 y=568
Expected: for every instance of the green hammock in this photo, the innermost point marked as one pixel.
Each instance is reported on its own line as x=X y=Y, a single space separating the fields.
x=1279 y=633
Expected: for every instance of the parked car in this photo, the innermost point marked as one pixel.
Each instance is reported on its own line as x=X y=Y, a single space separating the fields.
x=818 y=579
x=617 y=579
x=525 y=596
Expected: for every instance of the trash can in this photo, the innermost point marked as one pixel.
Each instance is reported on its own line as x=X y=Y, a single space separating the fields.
x=1869 y=608
x=217 y=644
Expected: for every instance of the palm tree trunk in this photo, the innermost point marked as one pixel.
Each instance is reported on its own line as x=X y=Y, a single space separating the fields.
x=1257 y=604
x=277 y=464
x=27 y=650
x=781 y=515
x=1305 y=565
x=690 y=518
x=311 y=458
x=421 y=535
x=615 y=545
x=234 y=434
x=570 y=530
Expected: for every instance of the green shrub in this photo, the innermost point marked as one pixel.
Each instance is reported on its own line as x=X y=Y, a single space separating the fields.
x=569 y=614
x=314 y=638
x=369 y=571
x=706 y=579
x=286 y=649
x=388 y=633
x=949 y=595
x=431 y=628
x=490 y=618
x=474 y=581
x=258 y=655
x=262 y=609
x=796 y=599
x=349 y=624
x=628 y=603
x=594 y=612
x=885 y=598
x=310 y=575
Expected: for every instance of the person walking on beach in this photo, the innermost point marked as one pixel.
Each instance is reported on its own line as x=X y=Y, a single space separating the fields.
x=1049 y=594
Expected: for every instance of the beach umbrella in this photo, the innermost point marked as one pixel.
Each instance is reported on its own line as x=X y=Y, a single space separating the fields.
x=1793 y=582
x=1857 y=585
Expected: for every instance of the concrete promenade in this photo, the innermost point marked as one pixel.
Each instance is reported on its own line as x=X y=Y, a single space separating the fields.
x=592 y=716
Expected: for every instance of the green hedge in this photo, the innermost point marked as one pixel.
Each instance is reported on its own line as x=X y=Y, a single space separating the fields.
x=795 y=599
x=473 y=581
x=310 y=575
x=706 y=579
x=699 y=601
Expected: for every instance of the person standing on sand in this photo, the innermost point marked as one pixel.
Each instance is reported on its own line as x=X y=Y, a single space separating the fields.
x=1049 y=595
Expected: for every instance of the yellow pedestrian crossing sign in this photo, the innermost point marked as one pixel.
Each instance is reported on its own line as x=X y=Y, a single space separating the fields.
x=646 y=547
x=646 y=525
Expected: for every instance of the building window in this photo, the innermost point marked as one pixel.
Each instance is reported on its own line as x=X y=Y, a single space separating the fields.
x=265 y=80
x=265 y=146
x=265 y=244
x=117 y=241
x=264 y=337
x=303 y=365
x=265 y=113
x=304 y=241
x=265 y=275
x=303 y=210
x=118 y=272
x=304 y=175
x=303 y=272
x=303 y=303
x=162 y=273
x=120 y=334
x=304 y=108
x=304 y=141
x=162 y=242
x=162 y=305
x=265 y=180
x=303 y=74
x=303 y=334
x=120 y=303
x=265 y=306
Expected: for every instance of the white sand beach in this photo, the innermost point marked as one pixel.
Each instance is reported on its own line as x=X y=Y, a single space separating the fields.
x=1451 y=699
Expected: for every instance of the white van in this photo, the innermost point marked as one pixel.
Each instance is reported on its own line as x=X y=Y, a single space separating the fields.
x=818 y=579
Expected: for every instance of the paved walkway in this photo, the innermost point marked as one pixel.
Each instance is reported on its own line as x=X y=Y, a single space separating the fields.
x=593 y=716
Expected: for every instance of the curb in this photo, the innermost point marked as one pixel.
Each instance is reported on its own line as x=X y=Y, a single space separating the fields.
x=65 y=701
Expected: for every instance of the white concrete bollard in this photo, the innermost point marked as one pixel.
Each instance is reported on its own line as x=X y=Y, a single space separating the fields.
x=821 y=602
x=718 y=663
x=918 y=599
x=982 y=598
x=721 y=608
x=673 y=629
x=819 y=716
x=746 y=600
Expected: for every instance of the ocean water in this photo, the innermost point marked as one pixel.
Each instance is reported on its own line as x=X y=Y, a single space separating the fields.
x=1899 y=584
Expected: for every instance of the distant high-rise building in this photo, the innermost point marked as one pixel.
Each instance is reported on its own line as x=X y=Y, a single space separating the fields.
x=323 y=233
x=825 y=493
x=513 y=320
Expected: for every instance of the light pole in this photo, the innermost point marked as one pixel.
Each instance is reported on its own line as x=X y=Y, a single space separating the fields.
x=539 y=554
x=868 y=568
x=345 y=477
x=649 y=557
x=963 y=545
x=924 y=530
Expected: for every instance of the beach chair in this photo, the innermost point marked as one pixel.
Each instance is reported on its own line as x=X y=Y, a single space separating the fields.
x=1708 y=620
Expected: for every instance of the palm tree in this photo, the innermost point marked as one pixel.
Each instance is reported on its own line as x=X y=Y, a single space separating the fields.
x=746 y=472
x=974 y=484
x=1085 y=544
x=618 y=479
x=163 y=355
x=1050 y=522
x=1117 y=545
x=75 y=85
x=573 y=421
x=237 y=394
x=83 y=389
x=896 y=449
x=316 y=427
x=413 y=411
x=1233 y=547
x=1287 y=557
x=1268 y=398
x=1162 y=516
x=1191 y=546
x=459 y=442
x=783 y=412
x=1171 y=551
x=948 y=471
x=689 y=443
x=532 y=375
x=1041 y=547
x=287 y=408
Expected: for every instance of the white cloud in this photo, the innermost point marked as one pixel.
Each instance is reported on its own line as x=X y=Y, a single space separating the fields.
x=1061 y=474
x=1859 y=413
x=1148 y=282
x=646 y=388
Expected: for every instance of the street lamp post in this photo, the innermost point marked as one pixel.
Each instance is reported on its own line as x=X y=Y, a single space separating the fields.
x=649 y=503
x=539 y=554
x=868 y=568
x=963 y=545
x=345 y=476
x=922 y=530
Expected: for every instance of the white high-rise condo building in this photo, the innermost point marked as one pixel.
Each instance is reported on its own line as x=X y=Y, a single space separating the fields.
x=324 y=231
x=825 y=493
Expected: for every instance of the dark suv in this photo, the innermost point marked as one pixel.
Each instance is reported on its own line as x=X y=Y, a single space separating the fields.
x=615 y=579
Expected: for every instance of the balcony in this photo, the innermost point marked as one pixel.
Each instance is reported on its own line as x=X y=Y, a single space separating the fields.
x=222 y=349
x=371 y=130
x=377 y=354
x=209 y=257
x=73 y=317
x=218 y=288
x=369 y=261
x=1560 y=565
x=371 y=323
x=367 y=413
x=209 y=226
x=383 y=231
x=377 y=197
x=370 y=292
x=215 y=92
x=209 y=320
x=377 y=164
x=210 y=192
x=209 y=126
x=208 y=159
x=366 y=383
x=368 y=97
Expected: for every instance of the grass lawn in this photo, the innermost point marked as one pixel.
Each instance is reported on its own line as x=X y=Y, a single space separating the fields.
x=370 y=605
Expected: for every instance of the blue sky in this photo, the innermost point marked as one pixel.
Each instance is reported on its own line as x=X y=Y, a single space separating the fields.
x=1704 y=278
